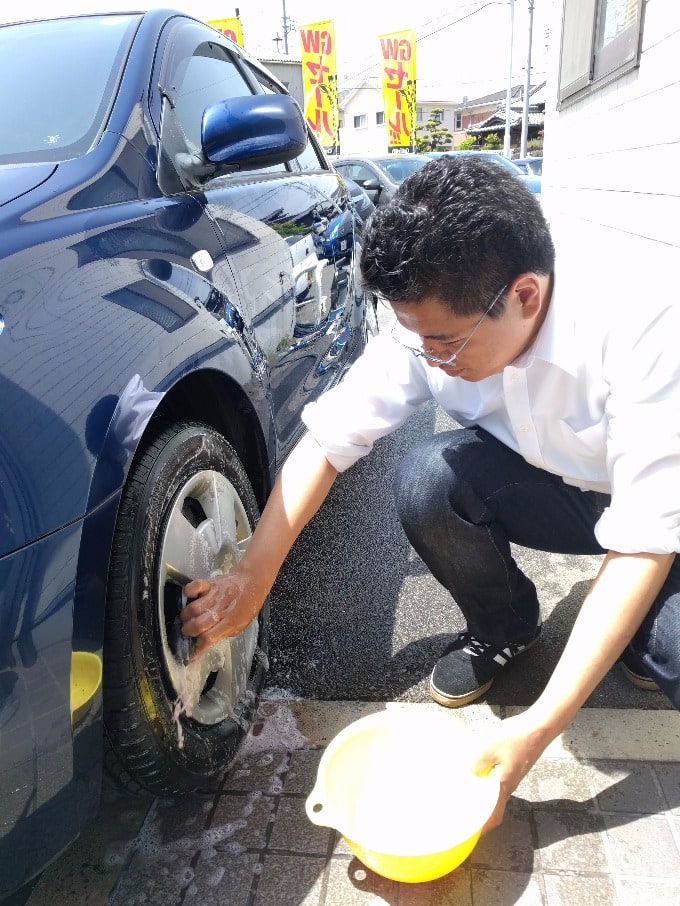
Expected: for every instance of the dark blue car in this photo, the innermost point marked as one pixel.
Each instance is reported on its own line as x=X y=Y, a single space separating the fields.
x=168 y=303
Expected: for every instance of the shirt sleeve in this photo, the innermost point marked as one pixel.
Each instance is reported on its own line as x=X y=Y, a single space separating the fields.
x=642 y=366
x=385 y=385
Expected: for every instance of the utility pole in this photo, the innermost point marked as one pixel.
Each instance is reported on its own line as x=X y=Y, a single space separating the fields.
x=506 y=143
x=527 y=87
x=287 y=27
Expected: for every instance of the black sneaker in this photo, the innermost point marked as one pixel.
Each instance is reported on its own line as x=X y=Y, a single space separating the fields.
x=634 y=670
x=468 y=667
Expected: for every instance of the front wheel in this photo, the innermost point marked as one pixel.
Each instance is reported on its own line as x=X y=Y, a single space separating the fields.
x=187 y=509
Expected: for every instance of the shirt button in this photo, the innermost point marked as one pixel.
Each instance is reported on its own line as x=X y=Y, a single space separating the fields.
x=514 y=377
x=523 y=429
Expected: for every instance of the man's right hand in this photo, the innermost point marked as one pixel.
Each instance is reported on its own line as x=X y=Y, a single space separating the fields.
x=220 y=607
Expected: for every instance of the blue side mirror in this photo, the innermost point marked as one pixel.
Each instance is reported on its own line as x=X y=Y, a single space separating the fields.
x=255 y=131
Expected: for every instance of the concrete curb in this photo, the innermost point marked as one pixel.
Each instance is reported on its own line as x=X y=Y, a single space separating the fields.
x=595 y=733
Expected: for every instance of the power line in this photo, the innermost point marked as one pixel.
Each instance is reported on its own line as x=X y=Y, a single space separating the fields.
x=437 y=31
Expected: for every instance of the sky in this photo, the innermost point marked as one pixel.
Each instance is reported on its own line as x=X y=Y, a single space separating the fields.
x=463 y=46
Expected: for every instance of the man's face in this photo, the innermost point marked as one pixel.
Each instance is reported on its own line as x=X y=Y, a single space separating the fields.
x=493 y=342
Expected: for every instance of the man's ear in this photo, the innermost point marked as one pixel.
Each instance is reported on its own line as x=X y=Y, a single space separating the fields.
x=529 y=291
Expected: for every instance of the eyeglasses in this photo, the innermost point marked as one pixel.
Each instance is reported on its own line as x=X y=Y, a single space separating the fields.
x=419 y=351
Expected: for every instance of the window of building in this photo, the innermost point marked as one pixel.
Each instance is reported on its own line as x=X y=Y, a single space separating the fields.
x=419 y=114
x=459 y=122
x=380 y=118
x=360 y=121
x=600 y=41
x=438 y=116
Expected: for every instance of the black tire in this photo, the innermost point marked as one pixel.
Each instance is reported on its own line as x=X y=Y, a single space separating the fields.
x=172 y=485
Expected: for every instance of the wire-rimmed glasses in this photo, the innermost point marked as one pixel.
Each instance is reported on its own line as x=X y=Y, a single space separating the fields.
x=419 y=351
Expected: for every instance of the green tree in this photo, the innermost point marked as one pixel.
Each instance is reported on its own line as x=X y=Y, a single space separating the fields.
x=433 y=136
x=492 y=140
x=468 y=142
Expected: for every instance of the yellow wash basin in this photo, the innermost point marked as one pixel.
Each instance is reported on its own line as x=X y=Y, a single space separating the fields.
x=400 y=789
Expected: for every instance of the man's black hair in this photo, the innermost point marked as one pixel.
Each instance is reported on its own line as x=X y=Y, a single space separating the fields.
x=457 y=230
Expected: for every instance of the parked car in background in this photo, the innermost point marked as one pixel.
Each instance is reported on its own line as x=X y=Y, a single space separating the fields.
x=170 y=298
x=363 y=204
x=380 y=177
x=533 y=183
x=532 y=166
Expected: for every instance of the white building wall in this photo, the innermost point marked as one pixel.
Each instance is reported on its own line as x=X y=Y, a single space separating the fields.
x=611 y=176
x=368 y=139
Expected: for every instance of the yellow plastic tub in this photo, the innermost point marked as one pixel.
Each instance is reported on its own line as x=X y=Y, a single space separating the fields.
x=399 y=787
x=86 y=677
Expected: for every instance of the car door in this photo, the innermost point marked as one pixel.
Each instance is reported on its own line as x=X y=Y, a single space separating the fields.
x=368 y=178
x=272 y=244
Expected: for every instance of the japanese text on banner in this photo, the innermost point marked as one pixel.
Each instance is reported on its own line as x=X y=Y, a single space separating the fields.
x=320 y=82
x=230 y=28
x=398 y=62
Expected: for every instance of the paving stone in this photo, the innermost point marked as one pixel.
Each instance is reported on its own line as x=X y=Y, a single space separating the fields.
x=258 y=771
x=510 y=846
x=454 y=889
x=579 y=890
x=506 y=888
x=558 y=783
x=352 y=884
x=301 y=775
x=293 y=830
x=668 y=776
x=240 y=822
x=644 y=891
x=290 y=881
x=642 y=846
x=222 y=878
x=177 y=822
x=86 y=873
x=156 y=877
x=340 y=846
x=570 y=841
x=627 y=787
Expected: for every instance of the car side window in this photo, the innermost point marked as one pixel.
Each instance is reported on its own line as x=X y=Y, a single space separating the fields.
x=310 y=158
x=195 y=74
x=208 y=76
x=357 y=172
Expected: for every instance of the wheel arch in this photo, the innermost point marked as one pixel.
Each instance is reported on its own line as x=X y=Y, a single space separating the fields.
x=207 y=396
x=217 y=400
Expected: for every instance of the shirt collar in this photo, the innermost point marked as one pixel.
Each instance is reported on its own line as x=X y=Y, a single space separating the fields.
x=555 y=342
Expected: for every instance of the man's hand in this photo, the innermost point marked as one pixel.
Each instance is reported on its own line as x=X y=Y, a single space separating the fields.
x=220 y=607
x=513 y=750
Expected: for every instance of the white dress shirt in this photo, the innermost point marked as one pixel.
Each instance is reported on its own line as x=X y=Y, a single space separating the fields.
x=595 y=399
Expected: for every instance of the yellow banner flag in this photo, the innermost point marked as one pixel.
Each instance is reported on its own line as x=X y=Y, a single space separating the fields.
x=320 y=82
x=398 y=62
x=230 y=28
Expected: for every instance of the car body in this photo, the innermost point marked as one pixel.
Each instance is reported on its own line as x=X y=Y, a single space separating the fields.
x=380 y=176
x=532 y=166
x=362 y=203
x=533 y=183
x=169 y=300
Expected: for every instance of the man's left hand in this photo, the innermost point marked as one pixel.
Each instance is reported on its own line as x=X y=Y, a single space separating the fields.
x=515 y=747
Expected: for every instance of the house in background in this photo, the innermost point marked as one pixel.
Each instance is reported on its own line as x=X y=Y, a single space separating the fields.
x=289 y=72
x=469 y=113
x=362 y=118
x=495 y=123
x=611 y=181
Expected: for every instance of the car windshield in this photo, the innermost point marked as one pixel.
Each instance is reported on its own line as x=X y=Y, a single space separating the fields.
x=401 y=167
x=63 y=76
x=504 y=162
